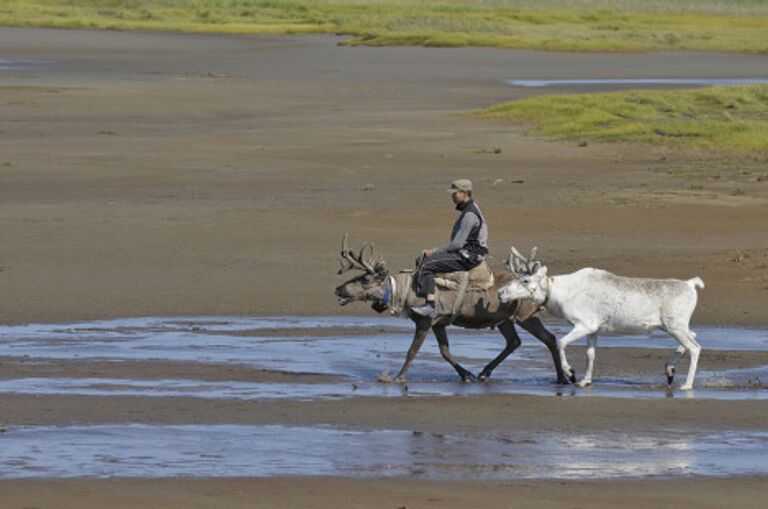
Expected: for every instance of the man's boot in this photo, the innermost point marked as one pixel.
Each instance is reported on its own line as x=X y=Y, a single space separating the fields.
x=427 y=310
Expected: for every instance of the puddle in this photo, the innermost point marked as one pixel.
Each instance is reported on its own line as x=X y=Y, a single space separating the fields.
x=313 y=346
x=261 y=451
x=697 y=82
x=222 y=340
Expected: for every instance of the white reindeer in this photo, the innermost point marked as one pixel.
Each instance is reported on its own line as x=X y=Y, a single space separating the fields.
x=597 y=301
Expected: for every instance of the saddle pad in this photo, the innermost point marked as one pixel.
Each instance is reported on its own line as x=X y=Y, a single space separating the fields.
x=480 y=278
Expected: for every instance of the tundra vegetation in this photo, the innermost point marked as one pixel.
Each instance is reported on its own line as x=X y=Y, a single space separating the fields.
x=732 y=118
x=557 y=25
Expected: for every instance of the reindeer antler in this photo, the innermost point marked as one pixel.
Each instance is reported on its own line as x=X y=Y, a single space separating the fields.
x=355 y=262
x=533 y=264
x=518 y=264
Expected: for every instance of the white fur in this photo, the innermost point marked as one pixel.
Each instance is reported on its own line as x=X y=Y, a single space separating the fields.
x=598 y=302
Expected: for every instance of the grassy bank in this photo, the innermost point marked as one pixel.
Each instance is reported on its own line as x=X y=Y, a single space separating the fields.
x=591 y=25
x=717 y=118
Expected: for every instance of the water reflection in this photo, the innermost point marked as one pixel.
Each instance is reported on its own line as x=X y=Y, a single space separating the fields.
x=229 y=451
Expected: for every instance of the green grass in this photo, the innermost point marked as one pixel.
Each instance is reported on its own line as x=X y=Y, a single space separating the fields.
x=731 y=118
x=587 y=25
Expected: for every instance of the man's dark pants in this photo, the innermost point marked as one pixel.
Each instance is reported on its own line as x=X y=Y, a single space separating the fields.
x=438 y=263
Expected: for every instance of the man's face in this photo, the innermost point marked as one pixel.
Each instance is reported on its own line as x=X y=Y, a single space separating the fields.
x=459 y=197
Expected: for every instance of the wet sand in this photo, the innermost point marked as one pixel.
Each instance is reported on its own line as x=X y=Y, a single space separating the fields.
x=386 y=494
x=148 y=370
x=166 y=174
x=517 y=412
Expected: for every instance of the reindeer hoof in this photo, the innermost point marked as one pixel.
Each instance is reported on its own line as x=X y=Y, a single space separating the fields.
x=468 y=377
x=584 y=383
x=686 y=387
x=670 y=375
x=572 y=376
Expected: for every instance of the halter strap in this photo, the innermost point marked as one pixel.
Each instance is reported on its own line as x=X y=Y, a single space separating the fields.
x=549 y=292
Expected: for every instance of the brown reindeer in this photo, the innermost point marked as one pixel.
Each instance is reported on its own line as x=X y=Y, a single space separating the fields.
x=477 y=309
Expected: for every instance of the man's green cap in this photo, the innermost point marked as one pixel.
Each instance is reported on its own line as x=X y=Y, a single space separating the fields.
x=461 y=185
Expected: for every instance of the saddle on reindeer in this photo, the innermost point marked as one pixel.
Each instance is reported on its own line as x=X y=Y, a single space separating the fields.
x=455 y=289
x=477 y=279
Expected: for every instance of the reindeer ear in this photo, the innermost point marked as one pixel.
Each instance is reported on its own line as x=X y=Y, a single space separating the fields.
x=542 y=270
x=380 y=266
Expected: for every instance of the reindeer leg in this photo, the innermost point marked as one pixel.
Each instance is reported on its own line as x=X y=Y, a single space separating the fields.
x=422 y=328
x=578 y=332
x=534 y=326
x=442 y=341
x=507 y=329
x=591 y=344
x=687 y=340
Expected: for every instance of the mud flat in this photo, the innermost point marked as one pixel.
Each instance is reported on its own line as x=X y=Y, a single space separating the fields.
x=172 y=174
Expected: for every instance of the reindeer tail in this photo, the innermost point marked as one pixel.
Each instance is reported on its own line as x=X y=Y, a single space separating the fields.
x=696 y=282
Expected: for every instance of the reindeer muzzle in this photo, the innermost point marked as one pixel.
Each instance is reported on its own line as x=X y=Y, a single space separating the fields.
x=342 y=297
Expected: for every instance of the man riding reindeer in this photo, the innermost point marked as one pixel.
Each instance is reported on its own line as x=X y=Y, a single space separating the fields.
x=467 y=249
x=470 y=304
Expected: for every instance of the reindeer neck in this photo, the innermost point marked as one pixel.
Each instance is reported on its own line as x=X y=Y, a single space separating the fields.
x=398 y=290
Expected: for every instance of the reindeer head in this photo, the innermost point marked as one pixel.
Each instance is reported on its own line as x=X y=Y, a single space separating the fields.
x=531 y=282
x=368 y=286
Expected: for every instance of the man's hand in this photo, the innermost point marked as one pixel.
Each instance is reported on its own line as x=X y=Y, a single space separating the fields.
x=429 y=252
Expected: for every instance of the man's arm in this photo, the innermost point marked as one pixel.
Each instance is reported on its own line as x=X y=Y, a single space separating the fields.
x=457 y=242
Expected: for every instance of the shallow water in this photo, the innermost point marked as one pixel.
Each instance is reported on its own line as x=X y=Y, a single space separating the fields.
x=359 y=357
x=259 y=451
x=719 y=338
x=637 y=81
x=18 y=65
x=716 y=386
